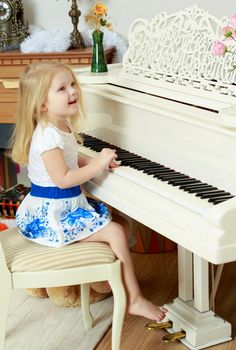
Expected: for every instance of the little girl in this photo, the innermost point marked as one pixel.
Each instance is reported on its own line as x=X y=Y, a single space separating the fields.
x=56 y=212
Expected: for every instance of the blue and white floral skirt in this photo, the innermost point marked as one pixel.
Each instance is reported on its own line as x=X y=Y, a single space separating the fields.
x=56 y=217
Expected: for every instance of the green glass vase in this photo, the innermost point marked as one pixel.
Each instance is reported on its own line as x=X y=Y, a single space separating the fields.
x=99 y=63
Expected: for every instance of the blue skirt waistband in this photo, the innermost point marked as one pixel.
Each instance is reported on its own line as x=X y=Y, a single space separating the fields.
x=54 y=192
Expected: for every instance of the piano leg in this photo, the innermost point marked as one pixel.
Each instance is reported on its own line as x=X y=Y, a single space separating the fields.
x=201 y=284
x=190 y=312
x=185 y=273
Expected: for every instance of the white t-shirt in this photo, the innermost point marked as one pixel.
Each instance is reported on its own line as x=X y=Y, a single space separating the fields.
x=46 y=137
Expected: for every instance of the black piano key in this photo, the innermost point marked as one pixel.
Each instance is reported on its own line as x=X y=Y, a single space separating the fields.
x=166 y=179
x=122 y=155
x=140 y=161
x=162 y=178
x=206 y=190
x=89 y=142
x=194 y=186
x=153 y=169
x=88 y=139
x=121 y=151
x=151 y=165
x=133 y=162
x=198 y=192
x=129 y=158
x=184 y=181
x=146 y=168
x=140 y=166
x=91 y=138
x=128 y=155
x=176 y=174
x=212 y=194
x=159 y=171
x=212 y=200
x=145 y=161
x=96 y=144
x=93 y=143
x=128 y=162
x=201 y=189
x=168 y=176
x=96 y=148
x=106 y=145
x=221 y=200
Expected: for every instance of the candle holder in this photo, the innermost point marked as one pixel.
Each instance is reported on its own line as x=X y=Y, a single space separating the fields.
x=77 y=41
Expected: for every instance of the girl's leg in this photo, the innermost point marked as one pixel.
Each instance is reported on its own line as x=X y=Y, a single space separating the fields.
x=114 y=234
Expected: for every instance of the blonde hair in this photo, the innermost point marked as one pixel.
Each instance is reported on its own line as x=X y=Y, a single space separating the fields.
x=33 y=90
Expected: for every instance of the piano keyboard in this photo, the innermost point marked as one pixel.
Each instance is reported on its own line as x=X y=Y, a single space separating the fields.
x=159 y=172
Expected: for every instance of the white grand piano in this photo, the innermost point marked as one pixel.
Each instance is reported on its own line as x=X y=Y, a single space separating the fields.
x=170 y=110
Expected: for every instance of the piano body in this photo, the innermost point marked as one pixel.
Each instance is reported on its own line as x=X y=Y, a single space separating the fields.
x=169 y=109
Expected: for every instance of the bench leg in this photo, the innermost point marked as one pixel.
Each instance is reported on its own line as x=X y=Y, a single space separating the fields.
x=85 y=308
x=119 y=295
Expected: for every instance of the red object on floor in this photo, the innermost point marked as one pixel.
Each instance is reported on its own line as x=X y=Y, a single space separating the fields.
x=3 y=227
x=149 y=241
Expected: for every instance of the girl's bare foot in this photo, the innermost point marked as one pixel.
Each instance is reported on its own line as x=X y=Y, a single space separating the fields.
x=145 y=308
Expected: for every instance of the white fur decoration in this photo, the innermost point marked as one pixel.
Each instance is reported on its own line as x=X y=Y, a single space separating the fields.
x=40 y=40
x=57 y=40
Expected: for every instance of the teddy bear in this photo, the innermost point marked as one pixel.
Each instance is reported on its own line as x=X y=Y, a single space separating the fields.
x=69 y=296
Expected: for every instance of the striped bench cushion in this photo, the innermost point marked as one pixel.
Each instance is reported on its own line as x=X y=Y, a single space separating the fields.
x=24 y=255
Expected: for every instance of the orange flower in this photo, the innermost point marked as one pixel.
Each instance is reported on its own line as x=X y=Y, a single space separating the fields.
x=100 y=9
x=98 y=17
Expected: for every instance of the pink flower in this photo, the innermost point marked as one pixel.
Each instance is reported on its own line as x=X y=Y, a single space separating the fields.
x=228 y=31
x=232 y=20
x=218 y=48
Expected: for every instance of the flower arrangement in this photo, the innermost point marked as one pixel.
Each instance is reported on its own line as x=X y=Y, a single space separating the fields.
x=98 y=17
x=220 y=48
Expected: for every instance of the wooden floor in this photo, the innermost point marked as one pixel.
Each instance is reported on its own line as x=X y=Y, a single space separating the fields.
x=157 y=275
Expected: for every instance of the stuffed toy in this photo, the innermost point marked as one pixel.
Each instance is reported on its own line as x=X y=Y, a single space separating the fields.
x=69 y=296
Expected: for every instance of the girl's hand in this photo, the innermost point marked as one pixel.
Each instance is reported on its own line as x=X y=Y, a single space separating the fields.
x=106 y=159
x=114 y=164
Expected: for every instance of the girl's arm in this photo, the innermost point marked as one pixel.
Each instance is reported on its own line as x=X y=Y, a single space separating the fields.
x=83 y=160
x=64 y=177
